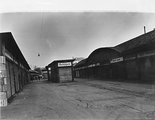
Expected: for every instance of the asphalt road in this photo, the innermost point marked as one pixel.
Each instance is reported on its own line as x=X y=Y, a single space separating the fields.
x=82 y=99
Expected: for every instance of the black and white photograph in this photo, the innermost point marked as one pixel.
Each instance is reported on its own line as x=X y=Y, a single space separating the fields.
x=77 y=60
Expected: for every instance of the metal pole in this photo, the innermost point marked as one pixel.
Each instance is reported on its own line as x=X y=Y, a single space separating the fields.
x=144 y=30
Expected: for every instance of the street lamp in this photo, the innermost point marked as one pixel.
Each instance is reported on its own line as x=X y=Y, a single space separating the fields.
x=49 y=68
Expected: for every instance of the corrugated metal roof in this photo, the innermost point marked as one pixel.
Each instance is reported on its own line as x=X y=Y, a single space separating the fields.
x=102 y=54
x=141 y=40
x=99 y=55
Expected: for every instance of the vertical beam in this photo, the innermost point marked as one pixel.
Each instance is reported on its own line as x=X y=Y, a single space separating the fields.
x=72 y=72
x=138 y=68
x=57 y=75
x=125 y=69
x=0 y=46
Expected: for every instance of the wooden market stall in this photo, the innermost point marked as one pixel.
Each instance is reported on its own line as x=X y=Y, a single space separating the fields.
x=14 y=69
x=60 y=71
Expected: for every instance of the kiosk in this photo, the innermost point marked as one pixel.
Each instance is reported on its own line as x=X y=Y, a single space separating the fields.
x=60 y=71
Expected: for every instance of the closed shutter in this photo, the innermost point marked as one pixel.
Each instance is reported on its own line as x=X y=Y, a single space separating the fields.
x=65 y=74
x=16 y=78
x=147 y=69
x=118 y=71
x=132 y=72
x=12 y=79
x=9 y=90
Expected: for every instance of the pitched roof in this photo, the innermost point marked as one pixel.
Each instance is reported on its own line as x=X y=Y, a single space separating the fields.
x=141 y=40
x=56 y=61
x=8 y=39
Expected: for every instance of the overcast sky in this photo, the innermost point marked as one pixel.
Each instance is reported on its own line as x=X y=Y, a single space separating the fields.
x=66 y=32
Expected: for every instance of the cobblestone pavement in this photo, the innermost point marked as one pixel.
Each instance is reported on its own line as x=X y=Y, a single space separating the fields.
x=82 y=99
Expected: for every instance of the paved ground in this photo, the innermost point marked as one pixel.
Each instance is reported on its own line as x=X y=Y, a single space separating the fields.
x=82 y=99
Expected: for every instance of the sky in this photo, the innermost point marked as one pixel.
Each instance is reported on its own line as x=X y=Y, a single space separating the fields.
x=63 y=30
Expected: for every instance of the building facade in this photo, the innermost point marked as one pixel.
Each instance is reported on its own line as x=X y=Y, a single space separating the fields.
x=133 y=60
x=14 y=69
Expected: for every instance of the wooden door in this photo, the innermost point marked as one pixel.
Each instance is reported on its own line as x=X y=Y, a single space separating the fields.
x=65 y=74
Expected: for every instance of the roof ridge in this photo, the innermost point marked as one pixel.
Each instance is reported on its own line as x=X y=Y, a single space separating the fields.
x=135 y=42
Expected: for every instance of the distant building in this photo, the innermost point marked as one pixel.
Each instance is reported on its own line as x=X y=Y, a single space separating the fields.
x=77 y=59
x=34 y=75
x=14 y=69
x=44 y=73
x=60 y=71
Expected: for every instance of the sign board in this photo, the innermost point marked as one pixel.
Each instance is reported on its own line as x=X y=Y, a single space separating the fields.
x=2 y=73
x=2 y=66
x=105 y=64
x=93 y=65
x=64 y=64
x=116 y=60
x=145 y=54
x=130 y=58
x=2 y=59
x=97 y=64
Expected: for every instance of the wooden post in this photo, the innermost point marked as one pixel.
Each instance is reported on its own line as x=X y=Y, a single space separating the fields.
x=0 y=46
x=72 y=73
x=3 y=80
x=138 y=68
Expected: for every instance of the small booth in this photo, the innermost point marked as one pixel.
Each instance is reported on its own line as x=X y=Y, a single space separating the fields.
x=60 y=71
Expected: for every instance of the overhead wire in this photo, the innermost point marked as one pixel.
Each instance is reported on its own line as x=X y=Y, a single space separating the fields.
x=119 y=25
x=148 y=19
x=32 y=51
x=41 y=30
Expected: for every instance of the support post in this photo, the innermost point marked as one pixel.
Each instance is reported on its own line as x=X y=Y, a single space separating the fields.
x=3 y=80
